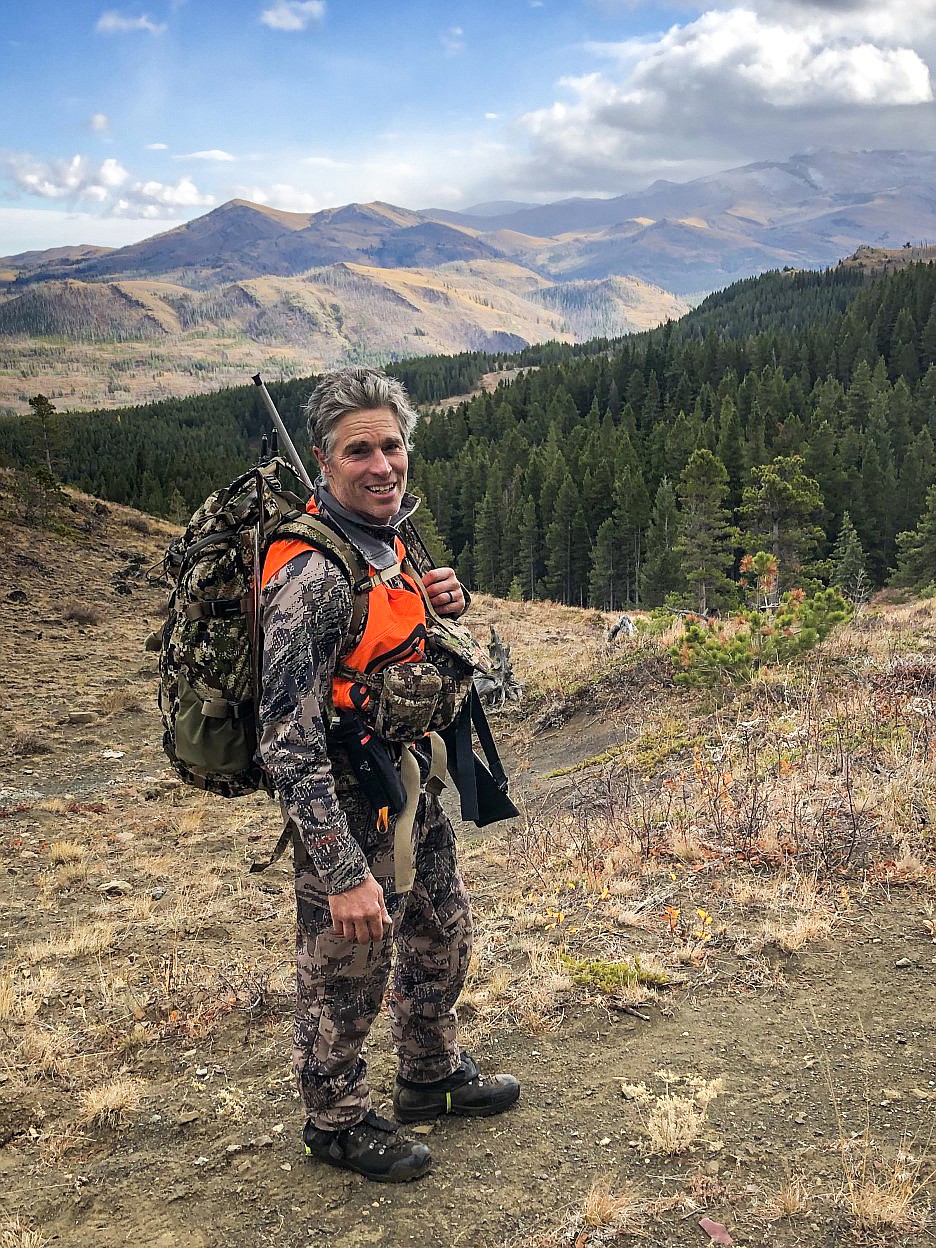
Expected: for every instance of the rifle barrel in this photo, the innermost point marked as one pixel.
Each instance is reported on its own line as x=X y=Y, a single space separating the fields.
x=285 y=439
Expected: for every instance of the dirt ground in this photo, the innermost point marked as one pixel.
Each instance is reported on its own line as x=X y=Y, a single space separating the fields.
x=146 y=954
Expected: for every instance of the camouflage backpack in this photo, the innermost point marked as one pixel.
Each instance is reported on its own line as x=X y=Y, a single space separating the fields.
x=209 y=647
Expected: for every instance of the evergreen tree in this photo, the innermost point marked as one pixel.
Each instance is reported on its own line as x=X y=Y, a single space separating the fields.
x=562 y=574
x=706 y=536
x=604 y=585
x=916 y=551
x=849 y=566
x=660 y=572
x=44 y=412
x=780 y=506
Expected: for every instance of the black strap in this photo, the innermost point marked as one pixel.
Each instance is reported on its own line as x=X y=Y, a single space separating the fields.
x=482 y=789
x=486 y=741
x=278 y=849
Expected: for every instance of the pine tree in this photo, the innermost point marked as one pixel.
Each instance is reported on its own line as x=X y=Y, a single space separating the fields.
x=706 y=536
x=849 y=566
x=916 y=550
x=44 y=412
x=561 y=574
x=604 y=582
x=780 y=506
x=660 y=573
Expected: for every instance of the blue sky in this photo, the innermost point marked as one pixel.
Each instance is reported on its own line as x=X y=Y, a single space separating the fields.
x=122 y=119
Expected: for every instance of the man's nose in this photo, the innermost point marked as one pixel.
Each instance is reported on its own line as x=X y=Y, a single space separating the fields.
x=381 y=464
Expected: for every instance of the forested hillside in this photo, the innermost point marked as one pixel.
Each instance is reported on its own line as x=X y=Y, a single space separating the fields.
x=650 y=470
x=794 y=413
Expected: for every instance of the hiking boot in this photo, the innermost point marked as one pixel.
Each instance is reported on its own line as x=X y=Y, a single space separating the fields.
x=372 y=1147
x=466 y=1092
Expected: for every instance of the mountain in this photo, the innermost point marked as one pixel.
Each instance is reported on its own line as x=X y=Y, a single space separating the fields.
x=108 y=343
x=808 y=212
x=246 y=285
x=242 y=240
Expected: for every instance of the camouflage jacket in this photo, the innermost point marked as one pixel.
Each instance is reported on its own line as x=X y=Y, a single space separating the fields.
x=306 y=610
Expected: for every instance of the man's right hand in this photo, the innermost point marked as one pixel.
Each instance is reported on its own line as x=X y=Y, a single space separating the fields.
x=360 y=914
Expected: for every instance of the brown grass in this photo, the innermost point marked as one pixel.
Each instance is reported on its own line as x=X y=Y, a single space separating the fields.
x=14 y=1233
x=883 y=1195
x=25 y=742
x=82 y=613
x=119 y=702
x=46 y=1052
x=62 y=852
x=111 y=1104
x=81 y=940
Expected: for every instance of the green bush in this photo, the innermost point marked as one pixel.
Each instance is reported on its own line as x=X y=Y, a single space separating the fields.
x=709 y=653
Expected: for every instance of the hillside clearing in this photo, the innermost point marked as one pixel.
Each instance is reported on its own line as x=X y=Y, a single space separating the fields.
x=707 y=949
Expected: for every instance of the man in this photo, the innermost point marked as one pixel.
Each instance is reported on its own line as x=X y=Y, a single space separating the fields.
x=351 y=912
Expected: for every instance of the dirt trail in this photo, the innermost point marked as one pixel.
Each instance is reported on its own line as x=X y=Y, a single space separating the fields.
x=189 y=995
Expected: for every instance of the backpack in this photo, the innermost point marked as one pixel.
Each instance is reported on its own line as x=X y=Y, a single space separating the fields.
x=209 y=646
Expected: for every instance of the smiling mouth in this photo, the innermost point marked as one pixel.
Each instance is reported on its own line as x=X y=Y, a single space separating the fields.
x=381 y=489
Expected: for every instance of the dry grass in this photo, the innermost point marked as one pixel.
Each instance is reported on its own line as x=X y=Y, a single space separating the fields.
x=62 y=852
x=119 y=702
x=65 y=877
x=606 y=1209
x=25 y=742
x=883 y=1196
x=675 y=1122
x=19 y=1003
x=46 y=1052
x=790 y=1199
x=14 y=1233
x=53 y=805
x=82 y=613
x=82 y=940
x=111 y=1104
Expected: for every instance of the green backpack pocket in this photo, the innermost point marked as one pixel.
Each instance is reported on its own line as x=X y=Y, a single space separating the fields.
x=212 y=735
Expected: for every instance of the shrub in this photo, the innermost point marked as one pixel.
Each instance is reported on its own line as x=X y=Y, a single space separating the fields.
x=712 y=652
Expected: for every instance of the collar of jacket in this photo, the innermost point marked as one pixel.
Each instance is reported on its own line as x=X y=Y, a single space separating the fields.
x=374 y=541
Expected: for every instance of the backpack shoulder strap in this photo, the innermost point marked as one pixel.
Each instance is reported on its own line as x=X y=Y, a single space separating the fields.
x=323 y=538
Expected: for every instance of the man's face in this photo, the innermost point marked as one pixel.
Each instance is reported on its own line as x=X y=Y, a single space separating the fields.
x=366 y=470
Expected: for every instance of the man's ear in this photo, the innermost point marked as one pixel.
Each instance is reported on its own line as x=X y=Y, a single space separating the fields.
x=320 y=459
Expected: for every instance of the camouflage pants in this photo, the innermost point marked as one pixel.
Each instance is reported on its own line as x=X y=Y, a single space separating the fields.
x=340 y=985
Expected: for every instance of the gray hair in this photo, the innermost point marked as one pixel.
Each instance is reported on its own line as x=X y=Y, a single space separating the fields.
x=355 y=389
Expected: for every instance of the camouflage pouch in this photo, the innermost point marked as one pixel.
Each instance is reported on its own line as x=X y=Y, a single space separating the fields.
x=409 y=696
x=456 y=656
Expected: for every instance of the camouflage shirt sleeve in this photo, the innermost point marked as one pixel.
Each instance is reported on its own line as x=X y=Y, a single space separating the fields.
x=306 y=610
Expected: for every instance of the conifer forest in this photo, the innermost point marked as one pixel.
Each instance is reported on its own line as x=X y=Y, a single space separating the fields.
x=793 y=413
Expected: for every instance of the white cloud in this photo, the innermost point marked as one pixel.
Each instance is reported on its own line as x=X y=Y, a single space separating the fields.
x=66 y=179
x=324 y=162
x=107 y=184
x=453 y=40
x=99 y=123
x=112 y=22
x=181 y=194
x=157 y=147
x=293 y=14
x=490 y=116
x=732 y=85
x=282 y=196
x=213 y=153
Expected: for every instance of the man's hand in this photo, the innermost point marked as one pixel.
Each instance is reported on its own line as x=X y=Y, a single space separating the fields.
x=445 y=593
x=360 y=914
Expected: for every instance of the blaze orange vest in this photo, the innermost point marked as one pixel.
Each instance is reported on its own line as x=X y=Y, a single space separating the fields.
x=394 y=629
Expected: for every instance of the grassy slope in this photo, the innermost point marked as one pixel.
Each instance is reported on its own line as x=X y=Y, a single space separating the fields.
x=291 y=326
x=770 y=853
